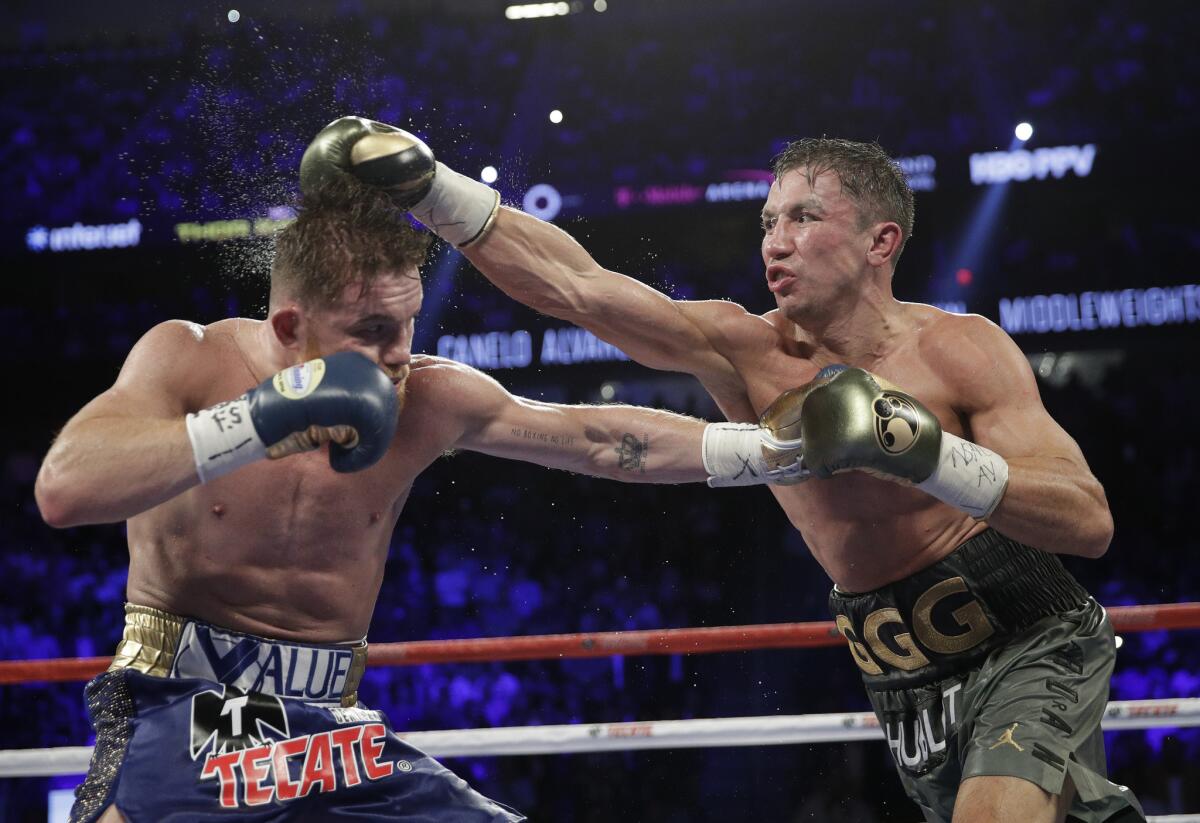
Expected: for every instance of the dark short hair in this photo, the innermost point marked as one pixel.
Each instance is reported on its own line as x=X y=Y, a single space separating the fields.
x=869 y=177
x=345 y=233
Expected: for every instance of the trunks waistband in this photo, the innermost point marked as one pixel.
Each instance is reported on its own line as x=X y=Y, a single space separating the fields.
x=945 y=618
x=166 y=645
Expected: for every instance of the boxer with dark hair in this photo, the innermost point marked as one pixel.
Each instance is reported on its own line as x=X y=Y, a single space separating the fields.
x=261 y=466
x=945 y=491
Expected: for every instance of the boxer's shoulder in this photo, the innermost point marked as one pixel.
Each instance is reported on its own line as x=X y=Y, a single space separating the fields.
x=174 y=336
x=453 y=397
x=438 y=373
x=967 y=347
x=186 y=338
x=444 y=387
x=728 y=323
x=963 y=362
x=949 y=335
x=734 y=332
x=188 y=360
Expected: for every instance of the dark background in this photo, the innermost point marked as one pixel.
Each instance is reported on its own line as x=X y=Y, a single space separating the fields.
x=168 y=113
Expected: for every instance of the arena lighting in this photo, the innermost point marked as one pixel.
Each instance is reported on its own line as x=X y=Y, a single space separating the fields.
x=1023 y=131
x=556 y=116
x=488 y=174
x=233 y=16
x=919 y=170
x=517 y=349
x=542 y=200
x=441 y=276
x=80 y=237
x=1021 y=164
x=971 y=252
x=528 y=11
x=1092 y=310
x=600 y=5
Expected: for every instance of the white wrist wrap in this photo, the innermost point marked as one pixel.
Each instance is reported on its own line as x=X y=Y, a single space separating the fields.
x=457 y=209
x=968 y=477
x=732 y=454
x=224 y=438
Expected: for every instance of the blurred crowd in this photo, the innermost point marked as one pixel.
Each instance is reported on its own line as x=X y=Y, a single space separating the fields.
x=201 y=123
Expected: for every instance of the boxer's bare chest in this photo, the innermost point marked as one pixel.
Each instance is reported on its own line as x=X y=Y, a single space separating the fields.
x=279 y=547
x=296 y=500
x=866 y=531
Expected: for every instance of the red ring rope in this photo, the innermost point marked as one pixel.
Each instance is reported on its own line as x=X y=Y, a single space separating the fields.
x=604 y=644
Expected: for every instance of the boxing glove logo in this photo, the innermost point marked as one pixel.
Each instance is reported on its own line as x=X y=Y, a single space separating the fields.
x=300 y=381
x=896 y=423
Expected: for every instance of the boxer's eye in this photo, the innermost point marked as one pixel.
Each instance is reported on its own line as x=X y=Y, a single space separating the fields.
x=372 y=331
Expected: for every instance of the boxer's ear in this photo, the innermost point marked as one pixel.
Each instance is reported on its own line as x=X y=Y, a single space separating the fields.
x=288 y=324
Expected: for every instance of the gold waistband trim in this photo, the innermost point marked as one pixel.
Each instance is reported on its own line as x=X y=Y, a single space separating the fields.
x=151 y=637
x=149 y=641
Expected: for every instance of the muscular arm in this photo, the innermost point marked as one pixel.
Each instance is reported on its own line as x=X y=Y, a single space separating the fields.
x=627 y=443
x=127 y=450
x=1053 y=501
x=538 y=264
x=543 y=267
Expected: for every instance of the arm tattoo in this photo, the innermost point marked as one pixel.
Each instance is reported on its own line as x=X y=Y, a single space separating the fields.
x=544 y=437
x=631 y=454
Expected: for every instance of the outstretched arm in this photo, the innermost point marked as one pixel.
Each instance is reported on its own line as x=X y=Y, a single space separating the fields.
x=543 y=267
x=532 y=261
x=626 y=443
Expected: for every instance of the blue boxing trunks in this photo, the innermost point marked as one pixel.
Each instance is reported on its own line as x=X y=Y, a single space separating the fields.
x=199 y=723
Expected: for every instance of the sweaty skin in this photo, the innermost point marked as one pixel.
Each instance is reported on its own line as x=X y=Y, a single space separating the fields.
x=831 y=277
x=288 y=548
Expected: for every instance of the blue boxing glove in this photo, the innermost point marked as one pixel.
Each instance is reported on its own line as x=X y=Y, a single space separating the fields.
x=344 y=400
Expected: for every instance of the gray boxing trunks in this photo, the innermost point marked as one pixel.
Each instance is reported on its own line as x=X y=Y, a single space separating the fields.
x=993 y=661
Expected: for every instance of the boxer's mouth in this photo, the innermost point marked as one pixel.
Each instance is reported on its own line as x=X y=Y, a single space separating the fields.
x=779 y=278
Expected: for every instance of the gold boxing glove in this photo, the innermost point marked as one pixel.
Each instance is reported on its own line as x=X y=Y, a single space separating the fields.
x=770 y=452
x=451 y=205
x=858 y=421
